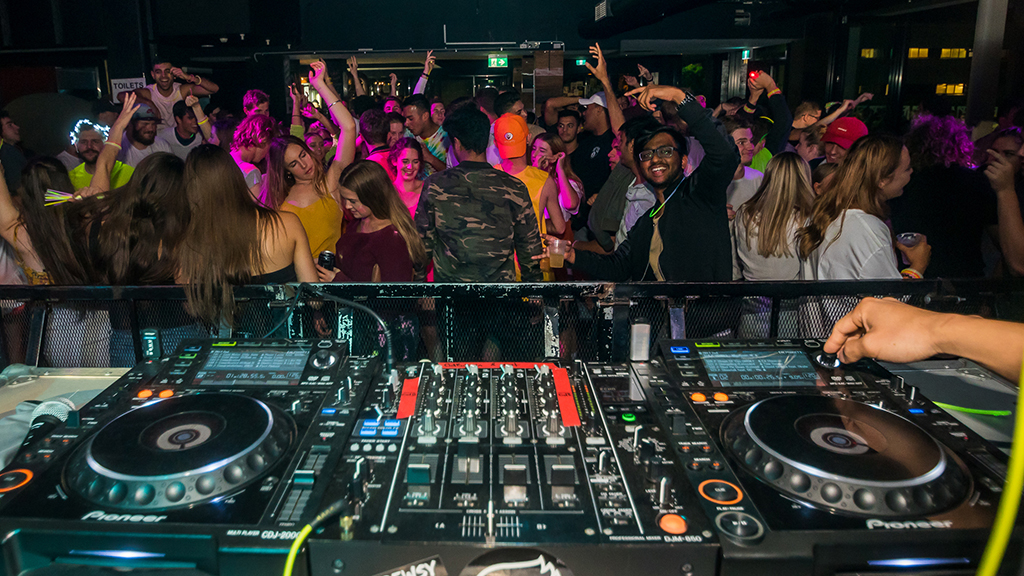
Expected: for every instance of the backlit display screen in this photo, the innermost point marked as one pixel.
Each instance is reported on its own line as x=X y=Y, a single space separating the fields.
x=780 y=368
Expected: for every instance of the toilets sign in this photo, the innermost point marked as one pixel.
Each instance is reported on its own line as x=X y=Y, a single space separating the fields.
x=118 y=85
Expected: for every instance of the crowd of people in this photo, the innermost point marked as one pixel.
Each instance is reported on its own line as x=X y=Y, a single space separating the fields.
x=642 y=183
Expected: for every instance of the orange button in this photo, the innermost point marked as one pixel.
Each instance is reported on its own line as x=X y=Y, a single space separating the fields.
x=166 y=393
x=145 y=393
x=698 y=397
x=721 y=397
x=673 y=524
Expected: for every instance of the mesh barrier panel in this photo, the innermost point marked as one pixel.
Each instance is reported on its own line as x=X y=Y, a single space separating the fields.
x=437 y=322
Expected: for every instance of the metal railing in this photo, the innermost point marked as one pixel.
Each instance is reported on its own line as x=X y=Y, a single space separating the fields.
x=101 y=326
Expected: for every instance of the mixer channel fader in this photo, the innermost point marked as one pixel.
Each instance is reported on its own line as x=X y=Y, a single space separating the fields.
x=512 y=453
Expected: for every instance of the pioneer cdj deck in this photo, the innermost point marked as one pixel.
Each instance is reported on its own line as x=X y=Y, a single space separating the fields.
x=719 y=458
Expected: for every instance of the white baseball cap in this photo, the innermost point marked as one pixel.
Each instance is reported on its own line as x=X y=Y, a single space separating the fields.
x=597 y=98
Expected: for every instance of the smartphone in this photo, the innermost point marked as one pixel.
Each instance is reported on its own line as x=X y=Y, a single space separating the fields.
x=754 y=74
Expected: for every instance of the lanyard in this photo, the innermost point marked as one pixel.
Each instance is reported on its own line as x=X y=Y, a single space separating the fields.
x=654 y=211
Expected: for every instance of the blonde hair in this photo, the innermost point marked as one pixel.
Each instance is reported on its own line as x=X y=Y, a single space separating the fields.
x=785 y=194
x=856 y=184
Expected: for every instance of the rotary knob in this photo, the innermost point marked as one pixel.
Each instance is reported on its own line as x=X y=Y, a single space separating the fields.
x=324 y=359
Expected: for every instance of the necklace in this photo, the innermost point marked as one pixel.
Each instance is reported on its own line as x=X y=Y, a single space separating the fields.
x=654 y=211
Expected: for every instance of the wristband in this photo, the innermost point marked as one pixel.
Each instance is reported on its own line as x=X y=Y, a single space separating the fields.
x=774 y=92
x=332 y=104
x=199 y=81
x=204 y=121
x=115 y=145
x=911 y=274
x=748 y=109
x=425 y=75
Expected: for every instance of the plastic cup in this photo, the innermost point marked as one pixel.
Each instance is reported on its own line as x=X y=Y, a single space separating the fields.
x=909 y=239
x=556 y=252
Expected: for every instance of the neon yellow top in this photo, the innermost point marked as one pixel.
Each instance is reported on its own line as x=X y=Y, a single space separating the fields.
x=322 y=221
x=119 y=176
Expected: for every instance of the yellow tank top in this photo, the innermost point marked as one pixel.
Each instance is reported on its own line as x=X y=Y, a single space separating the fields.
x=322 y=221
x=534 y=179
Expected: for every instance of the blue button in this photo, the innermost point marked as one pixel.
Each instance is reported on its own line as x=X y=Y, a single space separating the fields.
x=193 y=349
x=329 y=411
x=392 y=423
x=368 y=432
x=370 y=423
x=680 y=349
x=389 y=432
x=916 y=411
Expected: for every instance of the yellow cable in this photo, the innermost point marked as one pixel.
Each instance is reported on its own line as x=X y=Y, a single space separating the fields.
x=296 y=546
x=1009 y=503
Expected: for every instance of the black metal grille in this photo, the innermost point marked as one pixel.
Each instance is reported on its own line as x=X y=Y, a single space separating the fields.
x=100 y=326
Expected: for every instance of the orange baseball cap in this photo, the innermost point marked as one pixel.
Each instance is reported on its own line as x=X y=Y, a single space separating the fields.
x=510 y=135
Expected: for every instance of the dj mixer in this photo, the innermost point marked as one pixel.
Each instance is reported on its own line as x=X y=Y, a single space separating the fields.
x=733 y=458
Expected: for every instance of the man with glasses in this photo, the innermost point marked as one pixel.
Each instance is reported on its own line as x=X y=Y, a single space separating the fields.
x=684 y=237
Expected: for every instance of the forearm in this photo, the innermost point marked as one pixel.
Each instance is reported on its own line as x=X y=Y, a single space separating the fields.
x=204 y=123
x=207 y=86
x=435 y=162
x=8 y=212
x=357 y=85
x=833 y=116
x=553 y=105
x=567 y=195
x=615 y=116
x=421 y=84
x=1011 y=231
x=615 y=266
x=996 y=344
x=782 y=125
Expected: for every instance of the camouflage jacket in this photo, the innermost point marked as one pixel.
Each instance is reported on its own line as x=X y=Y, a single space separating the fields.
x=474 y=220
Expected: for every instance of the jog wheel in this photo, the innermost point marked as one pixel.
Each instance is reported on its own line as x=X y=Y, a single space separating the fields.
x=845 y=457
x=179 y=452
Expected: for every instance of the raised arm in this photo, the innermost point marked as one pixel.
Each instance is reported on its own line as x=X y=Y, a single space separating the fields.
x=428 y=66
x=204 y=122
x=353 y=70
x=600 y=71
x=554 y=105
x=298 y=127
x=394 y=84
x=346 y=150
x=1001 y=174
x=108 y=156
x=199 y=86
x=312 y=112
x=782 y=119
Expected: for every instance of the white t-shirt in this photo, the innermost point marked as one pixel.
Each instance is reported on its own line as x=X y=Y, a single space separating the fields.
x=165 y=104
x=131 y=155
x=70 y=161
x=170 y=139
x=751 y=265
x=739 y=191
x=862 y=251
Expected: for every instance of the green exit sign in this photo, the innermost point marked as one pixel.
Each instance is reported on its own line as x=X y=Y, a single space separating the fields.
x=581 y=61
x=497 y=61
x=745 y=55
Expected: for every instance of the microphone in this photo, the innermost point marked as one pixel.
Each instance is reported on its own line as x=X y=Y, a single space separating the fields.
x=45 y=418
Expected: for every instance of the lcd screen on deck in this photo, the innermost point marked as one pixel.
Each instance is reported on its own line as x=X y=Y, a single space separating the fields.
x=252 y=367
x=781 y=368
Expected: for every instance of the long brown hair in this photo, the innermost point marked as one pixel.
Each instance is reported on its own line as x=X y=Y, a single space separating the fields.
x=557 y=146
x=785 y=194
x=376 y=191
x=856 y=184
x=223 y=245
x=279 y=180
x=140 y=224
x=48 y=227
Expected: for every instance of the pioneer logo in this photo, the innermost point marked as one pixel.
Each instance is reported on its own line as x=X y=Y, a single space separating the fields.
x=910 y=524
x=105 y=517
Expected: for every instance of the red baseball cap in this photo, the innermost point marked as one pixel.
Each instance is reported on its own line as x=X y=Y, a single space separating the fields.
x=510 y=135
x=845 y=132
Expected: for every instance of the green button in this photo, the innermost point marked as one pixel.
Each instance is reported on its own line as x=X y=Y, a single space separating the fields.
x=224 y=343
x=708 y=345
x=629 y=417
x=187 y=356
